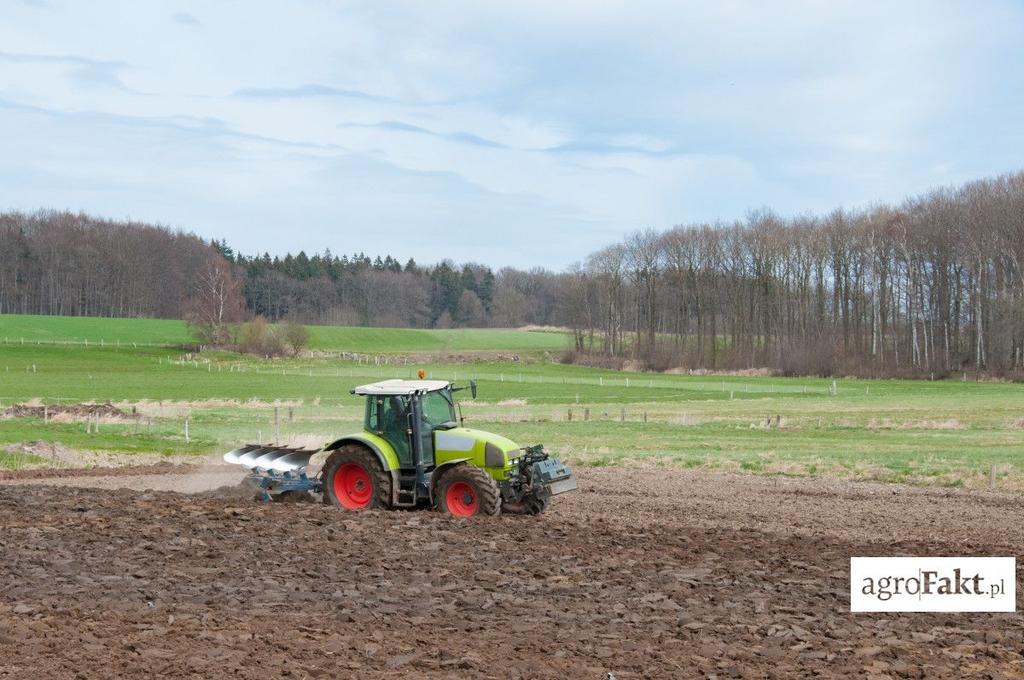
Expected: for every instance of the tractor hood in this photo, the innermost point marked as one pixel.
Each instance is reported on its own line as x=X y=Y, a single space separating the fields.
x=466 y=439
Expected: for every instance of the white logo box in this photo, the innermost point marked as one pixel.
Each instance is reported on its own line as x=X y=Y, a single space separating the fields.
x=933 y=584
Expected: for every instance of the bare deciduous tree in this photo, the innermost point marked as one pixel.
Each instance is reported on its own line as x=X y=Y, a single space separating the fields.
x=214 y=303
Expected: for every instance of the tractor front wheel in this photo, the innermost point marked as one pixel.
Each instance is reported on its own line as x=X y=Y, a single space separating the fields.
x=467 y=491
x=353 y=479
x=531 y=505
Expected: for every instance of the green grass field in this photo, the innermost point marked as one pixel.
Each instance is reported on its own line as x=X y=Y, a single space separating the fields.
x=19 y=329
x=23 y=329
x=943 y=433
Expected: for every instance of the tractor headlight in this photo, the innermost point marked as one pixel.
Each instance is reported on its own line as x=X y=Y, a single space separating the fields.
x=493 y=456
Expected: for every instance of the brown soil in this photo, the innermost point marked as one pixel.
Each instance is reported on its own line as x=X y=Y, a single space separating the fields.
x=107 y=410
x=642 y=573
x=52 y=475
x=57 y=459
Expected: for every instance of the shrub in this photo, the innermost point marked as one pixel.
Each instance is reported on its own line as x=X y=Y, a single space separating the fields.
x=295 y=335
x=257 y=337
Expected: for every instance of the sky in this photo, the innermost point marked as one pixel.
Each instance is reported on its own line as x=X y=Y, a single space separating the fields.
x=518 y=133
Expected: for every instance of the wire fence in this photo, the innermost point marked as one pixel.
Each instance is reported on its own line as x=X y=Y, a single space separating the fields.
x=389 y=371
x=84 y=342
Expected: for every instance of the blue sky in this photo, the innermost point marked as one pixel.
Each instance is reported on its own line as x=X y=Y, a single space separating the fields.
x=522 y=133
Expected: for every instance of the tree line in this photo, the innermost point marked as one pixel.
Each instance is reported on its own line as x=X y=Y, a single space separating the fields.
x=65 y=263
x=360 y=291
x=71 y=264
x=932 y=286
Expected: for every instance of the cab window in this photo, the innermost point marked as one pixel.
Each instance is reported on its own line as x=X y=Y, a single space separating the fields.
x=437 y=408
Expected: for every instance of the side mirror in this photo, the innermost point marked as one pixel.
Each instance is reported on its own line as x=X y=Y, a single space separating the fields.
x=472 y=388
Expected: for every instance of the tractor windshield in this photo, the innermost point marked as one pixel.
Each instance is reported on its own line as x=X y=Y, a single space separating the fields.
x=438 y=408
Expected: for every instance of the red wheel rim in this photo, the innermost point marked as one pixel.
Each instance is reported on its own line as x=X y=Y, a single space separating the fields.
x=461 y=499
x=352 y=486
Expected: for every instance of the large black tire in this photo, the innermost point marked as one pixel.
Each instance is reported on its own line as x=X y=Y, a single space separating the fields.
x=467 y=491
x=531 y=505
x=354 y=479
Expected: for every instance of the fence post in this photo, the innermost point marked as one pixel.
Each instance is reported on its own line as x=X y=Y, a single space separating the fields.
x=186 y=430
x=992 y=477
x=586 y=414
x=622 y=415
x=645 y=416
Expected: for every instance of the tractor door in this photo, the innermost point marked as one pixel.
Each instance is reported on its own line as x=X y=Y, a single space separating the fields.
x=438 y=414
x=391 y=421
x=422 y=431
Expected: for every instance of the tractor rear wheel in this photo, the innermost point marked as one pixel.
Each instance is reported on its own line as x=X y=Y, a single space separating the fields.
x=353 y=479
x=467 y=491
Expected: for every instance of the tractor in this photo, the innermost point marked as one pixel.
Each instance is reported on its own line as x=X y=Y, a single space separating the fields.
x=413 y=451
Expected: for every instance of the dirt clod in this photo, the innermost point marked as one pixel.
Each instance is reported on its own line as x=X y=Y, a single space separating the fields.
x=106 y=410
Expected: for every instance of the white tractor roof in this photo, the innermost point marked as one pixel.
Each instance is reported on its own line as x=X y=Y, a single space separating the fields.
x=388 y=387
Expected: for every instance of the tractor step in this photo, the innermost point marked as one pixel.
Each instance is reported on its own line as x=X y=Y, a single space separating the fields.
x=406 y=496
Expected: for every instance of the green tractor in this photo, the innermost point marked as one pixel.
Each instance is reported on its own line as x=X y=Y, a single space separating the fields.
x=413 y=451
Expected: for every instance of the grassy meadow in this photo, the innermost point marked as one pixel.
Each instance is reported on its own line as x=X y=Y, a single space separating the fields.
x=947 y=433
x=16 y=329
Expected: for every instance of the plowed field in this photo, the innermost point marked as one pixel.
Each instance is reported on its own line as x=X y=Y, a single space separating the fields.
x=644 y=573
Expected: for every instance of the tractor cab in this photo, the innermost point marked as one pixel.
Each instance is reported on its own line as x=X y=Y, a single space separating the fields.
x=406 y=413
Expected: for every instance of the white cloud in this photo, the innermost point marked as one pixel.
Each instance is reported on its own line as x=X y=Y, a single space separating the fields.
x=551 y=128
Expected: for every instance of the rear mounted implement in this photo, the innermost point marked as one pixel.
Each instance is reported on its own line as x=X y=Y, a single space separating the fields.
x=276 y=471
